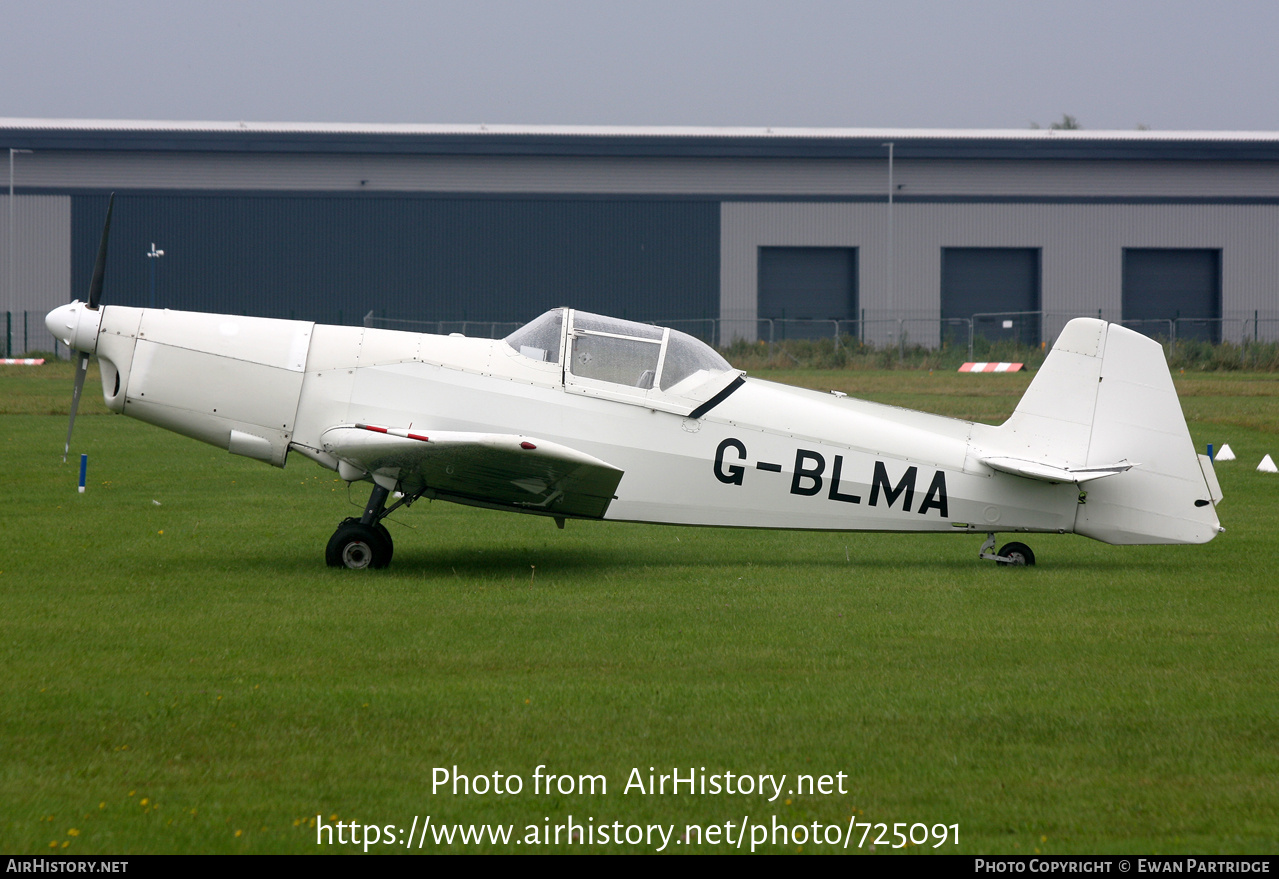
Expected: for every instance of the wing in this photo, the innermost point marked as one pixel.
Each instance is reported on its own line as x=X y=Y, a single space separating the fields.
x=489 y=469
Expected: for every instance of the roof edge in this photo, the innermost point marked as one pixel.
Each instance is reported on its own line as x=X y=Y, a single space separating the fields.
x=612 y=131
x=107 y=135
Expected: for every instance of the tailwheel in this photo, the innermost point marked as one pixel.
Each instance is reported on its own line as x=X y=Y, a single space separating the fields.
x=1010 y=554
x=1016 y=555
x=358 y=546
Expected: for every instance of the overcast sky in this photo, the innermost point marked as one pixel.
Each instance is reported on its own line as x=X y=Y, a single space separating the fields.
x=1172 y=64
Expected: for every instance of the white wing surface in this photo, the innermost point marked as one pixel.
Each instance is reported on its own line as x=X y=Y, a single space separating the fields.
x=487 y=469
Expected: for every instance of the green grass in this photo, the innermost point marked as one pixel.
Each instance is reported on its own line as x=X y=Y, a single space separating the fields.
x=181 y=673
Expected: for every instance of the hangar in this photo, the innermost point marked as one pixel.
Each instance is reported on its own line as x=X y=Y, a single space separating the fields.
x=725 y=232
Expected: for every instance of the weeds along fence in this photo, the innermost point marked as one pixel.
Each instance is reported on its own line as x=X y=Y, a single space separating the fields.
x=917 y=342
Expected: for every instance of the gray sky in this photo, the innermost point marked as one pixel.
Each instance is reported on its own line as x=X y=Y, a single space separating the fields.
x=889 y=63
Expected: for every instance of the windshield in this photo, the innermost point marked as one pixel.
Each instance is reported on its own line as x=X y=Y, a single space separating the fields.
x=686 y=356
x=621 y=352
x=540 y=338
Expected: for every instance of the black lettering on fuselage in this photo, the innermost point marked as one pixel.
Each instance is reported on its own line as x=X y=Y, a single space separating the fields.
x=936 y=496
x=814 y=474
x=734 y=473
x=835 y=493
x=808 y=479
x=891 y=493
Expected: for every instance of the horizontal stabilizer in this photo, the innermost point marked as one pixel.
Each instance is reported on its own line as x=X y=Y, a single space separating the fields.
x=502 y=470
x=1050 y=473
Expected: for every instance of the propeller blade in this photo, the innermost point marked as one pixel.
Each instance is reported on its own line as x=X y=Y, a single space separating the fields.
x=81 y=370
x=95 y=294
x=100 y=265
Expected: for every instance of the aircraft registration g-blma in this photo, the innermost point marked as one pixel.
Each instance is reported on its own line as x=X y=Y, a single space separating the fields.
x=581 y=416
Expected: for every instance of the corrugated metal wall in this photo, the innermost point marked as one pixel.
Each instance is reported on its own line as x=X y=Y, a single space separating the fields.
x=41 y=252
x=1081 y=244
x=334 y=258
x=502 y=237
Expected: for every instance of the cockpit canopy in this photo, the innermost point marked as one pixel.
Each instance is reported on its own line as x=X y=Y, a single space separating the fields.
x=621 y=352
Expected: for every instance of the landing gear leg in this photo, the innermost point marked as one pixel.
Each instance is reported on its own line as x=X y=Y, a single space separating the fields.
x=1013 y=554
x=364 y=542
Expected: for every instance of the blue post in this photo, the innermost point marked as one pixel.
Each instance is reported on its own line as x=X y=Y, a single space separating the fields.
x=84 y=469
x=1210 y=457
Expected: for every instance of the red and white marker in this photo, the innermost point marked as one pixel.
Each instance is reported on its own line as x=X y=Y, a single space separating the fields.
x=22 y=361
x=991 y=367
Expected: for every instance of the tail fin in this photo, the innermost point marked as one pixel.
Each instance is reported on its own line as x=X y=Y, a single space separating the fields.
x=1104 y=405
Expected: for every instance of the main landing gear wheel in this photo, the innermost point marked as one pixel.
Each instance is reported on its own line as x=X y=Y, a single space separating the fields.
x=358 y=546
x=1016 y=555
x=386 y=536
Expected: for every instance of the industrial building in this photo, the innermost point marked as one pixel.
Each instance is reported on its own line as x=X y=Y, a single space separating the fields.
x=728 y=233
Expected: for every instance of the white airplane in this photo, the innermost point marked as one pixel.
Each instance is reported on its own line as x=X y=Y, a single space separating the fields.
x=581 y=416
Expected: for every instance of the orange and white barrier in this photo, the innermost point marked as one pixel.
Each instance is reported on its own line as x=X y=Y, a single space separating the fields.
x=21 y=361
x=991 y=367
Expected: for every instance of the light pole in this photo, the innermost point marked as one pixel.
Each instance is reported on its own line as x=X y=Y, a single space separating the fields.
x=153 y=255
x=891 y=291
x=8 y=321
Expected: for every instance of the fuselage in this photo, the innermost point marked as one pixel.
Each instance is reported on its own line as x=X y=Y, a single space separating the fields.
x=763 y=456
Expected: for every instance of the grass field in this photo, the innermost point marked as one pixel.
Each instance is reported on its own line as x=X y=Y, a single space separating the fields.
x=181 y=672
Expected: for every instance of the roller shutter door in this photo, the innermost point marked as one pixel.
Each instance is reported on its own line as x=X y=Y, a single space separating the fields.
x=1182 y=286
x=801 y=284
x=999 y=284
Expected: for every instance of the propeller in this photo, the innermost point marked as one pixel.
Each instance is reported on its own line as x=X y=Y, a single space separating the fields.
x=100 y=264
x=95 y=295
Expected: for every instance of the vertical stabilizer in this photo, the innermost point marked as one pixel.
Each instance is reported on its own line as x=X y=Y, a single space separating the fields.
x=1105 y=397
x=1054 y=420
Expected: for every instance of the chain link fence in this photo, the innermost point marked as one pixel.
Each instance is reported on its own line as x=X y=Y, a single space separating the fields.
x=478 y=329
x=24 y=332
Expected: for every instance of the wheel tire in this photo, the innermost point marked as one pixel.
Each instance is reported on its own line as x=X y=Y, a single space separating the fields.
x=357 y=547
x=386 y=538
x=1018 y=555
